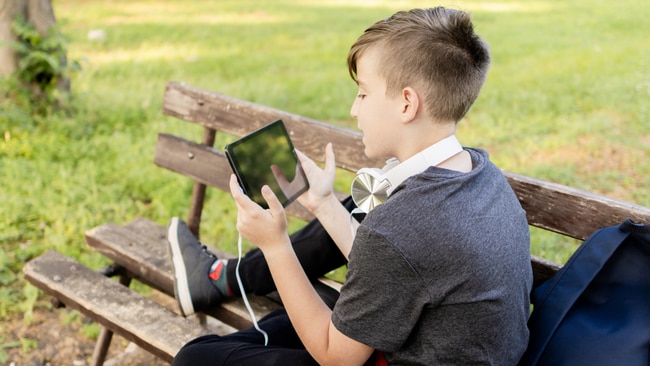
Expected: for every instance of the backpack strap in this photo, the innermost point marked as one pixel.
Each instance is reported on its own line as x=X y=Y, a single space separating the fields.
x=568 y=283
x=633 y=227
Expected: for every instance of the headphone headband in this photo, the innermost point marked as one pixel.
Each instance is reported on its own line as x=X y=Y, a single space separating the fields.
x=372 y=186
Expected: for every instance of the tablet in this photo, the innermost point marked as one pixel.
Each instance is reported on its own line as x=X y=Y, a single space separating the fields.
x=267 y=157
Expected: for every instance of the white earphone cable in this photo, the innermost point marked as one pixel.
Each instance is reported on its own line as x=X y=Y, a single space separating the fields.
x=243 y=294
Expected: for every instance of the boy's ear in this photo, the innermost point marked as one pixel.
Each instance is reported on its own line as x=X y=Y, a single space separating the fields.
x=410 y=104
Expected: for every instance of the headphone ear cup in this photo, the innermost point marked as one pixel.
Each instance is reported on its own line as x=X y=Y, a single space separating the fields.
x=369 y=189
x=372 y=186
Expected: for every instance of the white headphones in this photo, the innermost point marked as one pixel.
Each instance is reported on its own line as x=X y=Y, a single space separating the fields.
x=372 y=186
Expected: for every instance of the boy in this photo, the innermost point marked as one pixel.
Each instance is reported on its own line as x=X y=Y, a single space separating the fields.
x=437 y=274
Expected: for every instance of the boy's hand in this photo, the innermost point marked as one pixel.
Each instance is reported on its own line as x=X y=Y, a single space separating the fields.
x=263 y=228
x=321 y=181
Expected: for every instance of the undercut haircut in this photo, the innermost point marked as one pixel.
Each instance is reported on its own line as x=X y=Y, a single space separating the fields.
x=435 y=51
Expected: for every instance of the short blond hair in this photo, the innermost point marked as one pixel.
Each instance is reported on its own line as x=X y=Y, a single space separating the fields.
x=435 y=51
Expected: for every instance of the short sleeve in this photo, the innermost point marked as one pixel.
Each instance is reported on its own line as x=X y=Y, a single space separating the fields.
x=382 y=298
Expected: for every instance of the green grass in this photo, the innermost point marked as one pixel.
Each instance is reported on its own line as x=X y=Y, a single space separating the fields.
x=566 y=100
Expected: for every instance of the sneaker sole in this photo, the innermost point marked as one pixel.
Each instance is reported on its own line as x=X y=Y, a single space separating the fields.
x=181 y=286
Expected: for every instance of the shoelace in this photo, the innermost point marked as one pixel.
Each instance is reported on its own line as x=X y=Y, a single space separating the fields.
x=205 y=250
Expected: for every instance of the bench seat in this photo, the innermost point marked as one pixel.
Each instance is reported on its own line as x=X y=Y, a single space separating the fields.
x=116 y=307
x=140 y=247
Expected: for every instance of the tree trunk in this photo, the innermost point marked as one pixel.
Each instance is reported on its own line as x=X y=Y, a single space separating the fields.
x=8 y=9
x=40 y=14
x=37 y=12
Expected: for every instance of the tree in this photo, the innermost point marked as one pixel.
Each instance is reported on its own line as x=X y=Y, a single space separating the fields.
x=36 y=12
x=33 y=52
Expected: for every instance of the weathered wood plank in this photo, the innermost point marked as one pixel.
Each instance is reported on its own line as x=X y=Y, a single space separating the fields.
x=144 y=259
x=142 y=250
x=118 y=308
x=206 y=165
x=198 y=162
x=570 y=211
x=239 y=117
x=542 y=269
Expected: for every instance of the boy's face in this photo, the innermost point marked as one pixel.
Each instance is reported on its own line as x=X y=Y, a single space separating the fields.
x=377 y=114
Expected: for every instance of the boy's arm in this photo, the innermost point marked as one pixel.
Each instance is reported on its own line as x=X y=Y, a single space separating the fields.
x=309 y=315
x=323 y=203
x=311 y=318
x=338 y=222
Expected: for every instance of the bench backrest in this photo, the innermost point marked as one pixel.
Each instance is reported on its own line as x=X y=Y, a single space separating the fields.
x=554 y=207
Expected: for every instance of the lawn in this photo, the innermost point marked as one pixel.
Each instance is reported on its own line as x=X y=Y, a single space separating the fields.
x=567 y=100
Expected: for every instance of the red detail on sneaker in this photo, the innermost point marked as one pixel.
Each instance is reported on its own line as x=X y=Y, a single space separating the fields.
x=216 y=272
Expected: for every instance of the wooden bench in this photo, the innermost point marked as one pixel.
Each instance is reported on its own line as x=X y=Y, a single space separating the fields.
x=138 y=249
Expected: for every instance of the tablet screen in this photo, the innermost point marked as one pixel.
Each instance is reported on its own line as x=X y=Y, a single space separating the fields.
x=267 y=157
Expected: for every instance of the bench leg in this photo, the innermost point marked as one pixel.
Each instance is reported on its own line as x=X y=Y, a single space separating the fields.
x=101 y=347
x=198 y=193
x=106 y=335
x=202 y=319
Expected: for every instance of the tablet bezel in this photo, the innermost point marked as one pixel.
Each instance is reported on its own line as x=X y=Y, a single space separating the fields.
x=244 y=181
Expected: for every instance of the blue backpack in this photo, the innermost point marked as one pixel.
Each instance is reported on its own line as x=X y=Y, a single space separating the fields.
x=596 y=309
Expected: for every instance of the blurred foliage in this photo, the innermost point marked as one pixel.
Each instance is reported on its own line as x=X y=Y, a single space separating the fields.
x=41 y=81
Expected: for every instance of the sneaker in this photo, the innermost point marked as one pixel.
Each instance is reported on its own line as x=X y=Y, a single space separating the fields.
x=191 y=262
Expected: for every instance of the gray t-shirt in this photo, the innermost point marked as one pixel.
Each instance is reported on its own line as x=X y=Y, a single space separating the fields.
x=440 y=273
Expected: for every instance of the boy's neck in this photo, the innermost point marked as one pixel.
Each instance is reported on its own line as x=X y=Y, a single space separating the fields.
x=420 y=135
x=433 y=155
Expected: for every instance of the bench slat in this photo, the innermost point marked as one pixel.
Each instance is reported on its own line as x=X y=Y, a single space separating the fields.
x=542 y=269
x=145 y=259
x=570 y=211
x=239 y=117
x=206 y=165
x=141 y=249
x=550 y=206
x=118 y=308
x=199 y=162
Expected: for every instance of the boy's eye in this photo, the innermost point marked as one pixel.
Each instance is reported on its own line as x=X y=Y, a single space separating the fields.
x=361 y=96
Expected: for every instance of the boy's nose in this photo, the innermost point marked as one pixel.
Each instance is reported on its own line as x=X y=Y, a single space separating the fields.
x=353 y=109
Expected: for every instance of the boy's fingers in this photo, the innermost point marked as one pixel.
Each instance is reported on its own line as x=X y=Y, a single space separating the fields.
x=237 y=193
x=271 y=199
x=235 y=189
x=279 y=177
x=330 y=161
x=306 y=162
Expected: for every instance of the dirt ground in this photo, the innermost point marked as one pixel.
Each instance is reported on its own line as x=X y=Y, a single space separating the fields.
x=50 y=339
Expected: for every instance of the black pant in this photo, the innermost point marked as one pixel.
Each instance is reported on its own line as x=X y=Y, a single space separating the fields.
x=318 y=255
x=316 y=251
x=246 y=347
